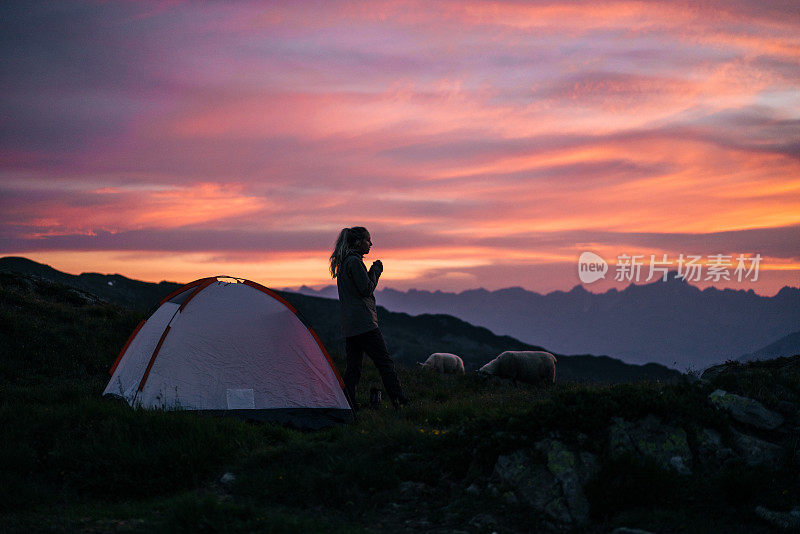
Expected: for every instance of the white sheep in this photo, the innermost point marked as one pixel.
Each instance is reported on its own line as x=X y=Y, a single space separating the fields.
x=444 y=362
x=530 y=366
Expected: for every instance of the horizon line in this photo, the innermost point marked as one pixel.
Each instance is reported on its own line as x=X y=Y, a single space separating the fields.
x=581 y=286
x=321 y=287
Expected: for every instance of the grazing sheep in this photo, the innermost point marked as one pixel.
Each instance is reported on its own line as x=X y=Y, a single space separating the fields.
x=444 y=362
x=530 y=366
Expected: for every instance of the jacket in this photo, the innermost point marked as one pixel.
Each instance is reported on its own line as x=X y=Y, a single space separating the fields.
x=356 y=286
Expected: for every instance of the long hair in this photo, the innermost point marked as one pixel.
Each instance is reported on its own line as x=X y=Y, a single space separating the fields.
x=345 y=244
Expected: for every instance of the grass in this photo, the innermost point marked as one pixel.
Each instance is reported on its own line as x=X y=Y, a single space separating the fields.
x=72 y=461
x=51 y=331
x=763 y=380
x=71 y=455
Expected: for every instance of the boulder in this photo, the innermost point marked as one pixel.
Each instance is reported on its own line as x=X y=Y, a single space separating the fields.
x=534 y=485
x=711 y=452
x=573 y=470
x=745 y=410
x=484 y=522
x=554 y=488
x=789 y=521
x=649 y=437
x=411 y=488
x=756 y=451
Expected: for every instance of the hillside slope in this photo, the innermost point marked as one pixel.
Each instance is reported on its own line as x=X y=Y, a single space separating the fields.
x=785 y=346
x=113 y=288
x=409 y=338
x=54 y=330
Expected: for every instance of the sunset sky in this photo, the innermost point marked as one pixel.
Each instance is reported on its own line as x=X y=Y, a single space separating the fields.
x=484 y=144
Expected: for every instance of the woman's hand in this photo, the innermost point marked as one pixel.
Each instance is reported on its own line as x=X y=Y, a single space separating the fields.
x=377 y=266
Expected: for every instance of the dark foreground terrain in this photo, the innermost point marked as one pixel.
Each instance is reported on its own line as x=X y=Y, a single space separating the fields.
x=465 y=456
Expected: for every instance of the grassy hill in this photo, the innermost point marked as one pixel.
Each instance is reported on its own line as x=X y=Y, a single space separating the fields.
x=113 y=288
x=72 y=461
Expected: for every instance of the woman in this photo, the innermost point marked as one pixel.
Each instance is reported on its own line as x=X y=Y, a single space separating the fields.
x=359 y=315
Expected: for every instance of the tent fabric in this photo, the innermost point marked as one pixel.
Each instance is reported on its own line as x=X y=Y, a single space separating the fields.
x=230 y=347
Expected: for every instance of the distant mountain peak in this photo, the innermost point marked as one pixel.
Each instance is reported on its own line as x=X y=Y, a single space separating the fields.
x=513 y=291
x=787 y=291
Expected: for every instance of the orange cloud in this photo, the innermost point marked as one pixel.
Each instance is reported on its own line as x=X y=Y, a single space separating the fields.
x=118 y=208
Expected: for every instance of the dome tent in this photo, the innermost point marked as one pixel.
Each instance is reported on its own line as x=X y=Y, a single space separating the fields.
x=230 y=347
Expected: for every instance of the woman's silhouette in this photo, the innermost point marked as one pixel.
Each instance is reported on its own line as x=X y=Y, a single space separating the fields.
x=359 y=315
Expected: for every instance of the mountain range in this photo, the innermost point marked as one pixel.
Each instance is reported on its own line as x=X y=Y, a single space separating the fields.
x=672 y=323
x=410 y=338
x=785 y=346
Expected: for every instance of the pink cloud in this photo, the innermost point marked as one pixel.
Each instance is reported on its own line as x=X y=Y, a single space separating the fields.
x=461 y=126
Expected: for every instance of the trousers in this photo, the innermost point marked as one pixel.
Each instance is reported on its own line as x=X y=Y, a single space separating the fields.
x=372 y=344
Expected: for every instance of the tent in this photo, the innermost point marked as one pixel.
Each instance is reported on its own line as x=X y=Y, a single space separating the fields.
x=230 y=346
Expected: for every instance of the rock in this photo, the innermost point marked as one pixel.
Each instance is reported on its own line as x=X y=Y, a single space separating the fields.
x=473 y=489
x=510 y=498
x=710 y=450
x=406 y=457
x=418 y=524
x=789 y=521
x=484 y=522
x=228 y=478
x=755 y=451
x=573 y=471
x=676 y=462
x=649 y=437
x=626 y=530
x=555 y=488
x=745 y=410
x=413 y=488
x=534 y=485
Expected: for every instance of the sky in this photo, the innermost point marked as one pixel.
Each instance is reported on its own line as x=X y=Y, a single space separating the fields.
x=483 y=144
